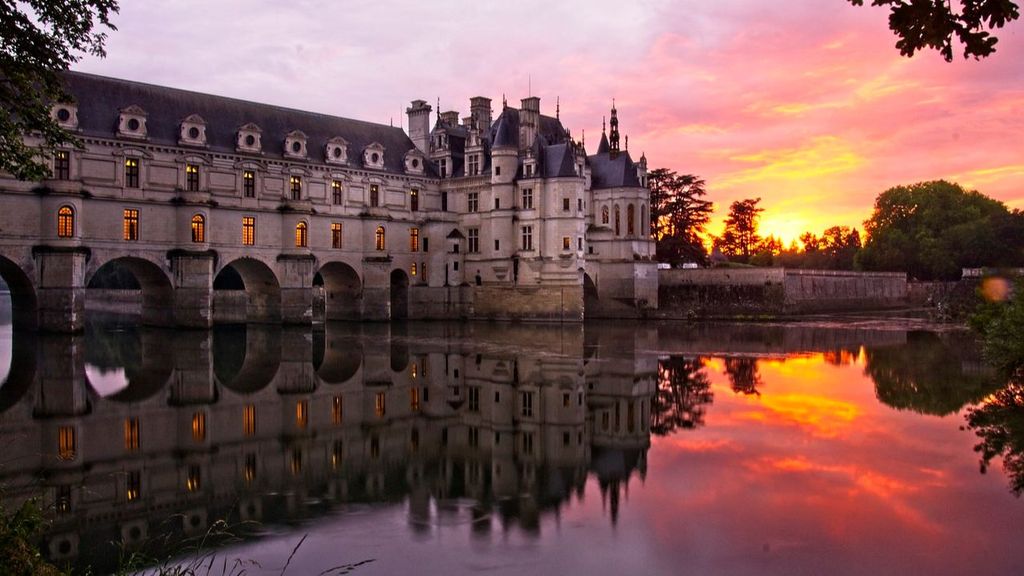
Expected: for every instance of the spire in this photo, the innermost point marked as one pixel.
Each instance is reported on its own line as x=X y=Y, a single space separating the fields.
x=627 y=142
x=558 y=108
x=602 y=124
x=613 y=138
x=504 y=102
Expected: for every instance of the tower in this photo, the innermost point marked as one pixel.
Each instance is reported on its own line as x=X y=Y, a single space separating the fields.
x=613 y=138
x=419 y=124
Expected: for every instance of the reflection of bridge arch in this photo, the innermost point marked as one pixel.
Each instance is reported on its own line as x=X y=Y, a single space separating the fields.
x=144 y=354
x=155 y=285
x=262 y=292
x=22 y=372
x=24 y=307
x=590 y=299
x=336 y=359
x=246 y=358
x=343 y=291
x=399 y=294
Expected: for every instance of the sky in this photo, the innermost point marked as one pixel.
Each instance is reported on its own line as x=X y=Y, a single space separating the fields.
x=805 y=104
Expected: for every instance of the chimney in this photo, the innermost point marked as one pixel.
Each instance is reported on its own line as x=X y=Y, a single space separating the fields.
x=529 y=121
x=450 y=118
x=419 y=124
x=480 y=110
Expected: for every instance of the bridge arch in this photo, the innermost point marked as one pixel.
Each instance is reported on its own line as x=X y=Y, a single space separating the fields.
x=24 y=306
x=246 y=290
x=152 y=281
x=590 y=298
x=342 y=291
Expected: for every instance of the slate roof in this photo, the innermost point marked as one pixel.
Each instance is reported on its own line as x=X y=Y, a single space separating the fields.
x=608 y=172
x=558 y=161
x=100 y=100
x=603 y=147
x=505 y=129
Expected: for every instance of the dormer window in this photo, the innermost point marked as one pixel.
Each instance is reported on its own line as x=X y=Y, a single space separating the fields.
x=66 y=115
x=193 y=131
x=132 y=123
x=528 y=170
x=414 y=162
x=295 y=144
x=373 y=156
x=336 y=151
x=249 y=139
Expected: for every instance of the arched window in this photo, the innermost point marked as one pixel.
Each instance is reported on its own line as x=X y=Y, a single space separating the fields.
x=630 y=220
x=379 y=238
x=300 y=235
x=198 y=228
x=618 y=228
x=644 y=224
x=604 y=214
x=412 y=269
x=65 y=222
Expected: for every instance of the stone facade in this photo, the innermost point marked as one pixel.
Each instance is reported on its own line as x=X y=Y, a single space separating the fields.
x=204 y=198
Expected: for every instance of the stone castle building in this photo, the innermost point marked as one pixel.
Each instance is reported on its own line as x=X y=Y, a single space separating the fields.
x=227 y=210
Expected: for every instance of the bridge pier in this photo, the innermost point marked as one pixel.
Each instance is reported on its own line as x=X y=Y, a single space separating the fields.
x=193 y=288
x=60 y=296
x=377 y=289
x=61 y=373
x=297 y=288
x=193 y=383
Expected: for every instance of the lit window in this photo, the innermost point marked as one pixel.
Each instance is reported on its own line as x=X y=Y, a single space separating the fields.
x=248 y=230
x=412 y=269
x=62 y=165
x=199 y=426
x=379 y=238
x=336 y=235
x=131 y=434
x=414 y=239
x=301 y=241
x=379 y=407
x=414 y=399
x=65 y=222
x=336 y=192
x=191 y=177
x=67 y=444
x=131 y=172
x=198 y=228
x=193 y=480
x=527 y=198
x=566 y=243
x=249 y=420
x=296 y=187
x=296 y=462
x=414 y=200
x=302 y=414
x=249 y=184
x=473 y=240
x=473 y=201
x=527 y=235
x=131 y=224
x=337 y=451
x=336 y=410
x=374 y=195
x=132 y=485
x=249 y=468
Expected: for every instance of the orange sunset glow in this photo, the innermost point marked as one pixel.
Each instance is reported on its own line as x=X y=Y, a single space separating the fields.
x=806 y=104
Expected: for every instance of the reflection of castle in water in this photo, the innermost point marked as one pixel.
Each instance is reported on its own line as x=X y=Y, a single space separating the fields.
x=278 y=424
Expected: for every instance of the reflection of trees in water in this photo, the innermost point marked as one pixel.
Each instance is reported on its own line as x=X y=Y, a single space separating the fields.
x=683 y=394
x=929 y=374
x=999 y=424
x=743 y=375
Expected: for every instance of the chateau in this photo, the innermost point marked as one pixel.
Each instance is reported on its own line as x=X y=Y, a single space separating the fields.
x=227 y=210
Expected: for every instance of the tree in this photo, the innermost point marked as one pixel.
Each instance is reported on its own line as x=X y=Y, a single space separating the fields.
x=921 y=24
x=679 y=216
x=682 y=397
x=931 y=230
x=743 y=375
x=740 y=238
x=38 y=39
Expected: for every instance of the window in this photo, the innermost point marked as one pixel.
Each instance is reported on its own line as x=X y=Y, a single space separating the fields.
x=497 y=170
x=248 y=230
x=131 y=172
x=528 y=404
x=414 y=239
x=131 y=224
x=473 y=201
x=426 y=244
x=474 y=398
x=529 y=170
x=604 y=214
x=630 y=220
x=618 y=229
x=336 y=235
x=374 y=195
x=412 y=269
x=62 y=165
x=443 y=168
x=249 y=468
x=199 y=426
x=565 y=204
x=497 y=203
x=566 y=243
x=301 y=241
x=527 y=198
x=473 y=240
x=296 y=187
x=193 y=481
x=423 y=270
x=302 y=414
x=336 y=192
x=67 y=444
x=579 y=243
x=579 y=204
x=379 y=238
x=249 y=420
x=444 y=201
x=527 y=238
x=65 y=222
x=379 y=406
x=414 y=399
x=191 y=177
x=337 y=410
x=249 y=184
x=644 y=224
x=473 y=165
x=497 y=244
x=198 y=228
x=414 y=200
x=132 y=485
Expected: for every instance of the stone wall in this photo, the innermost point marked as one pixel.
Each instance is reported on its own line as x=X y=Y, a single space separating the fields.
x=732 y=292
x=548 y=303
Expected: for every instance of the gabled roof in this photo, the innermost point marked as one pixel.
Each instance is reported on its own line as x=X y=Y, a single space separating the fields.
x=100 y=100
x=608 y=172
